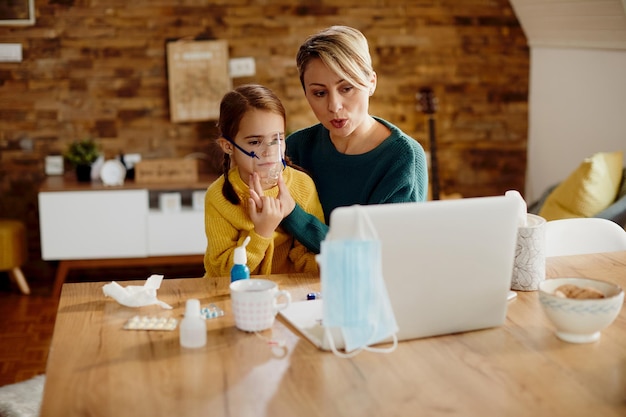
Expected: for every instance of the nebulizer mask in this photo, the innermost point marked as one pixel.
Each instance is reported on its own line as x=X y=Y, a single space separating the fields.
x=267 y=156
x=355 y=298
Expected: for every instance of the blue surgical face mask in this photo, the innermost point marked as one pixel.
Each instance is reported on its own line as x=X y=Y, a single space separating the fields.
x=354 y=293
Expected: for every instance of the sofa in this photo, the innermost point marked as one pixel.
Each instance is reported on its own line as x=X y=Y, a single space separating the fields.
x=597 y=188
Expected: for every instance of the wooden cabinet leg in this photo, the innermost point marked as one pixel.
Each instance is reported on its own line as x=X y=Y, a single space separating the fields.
x=61 y=274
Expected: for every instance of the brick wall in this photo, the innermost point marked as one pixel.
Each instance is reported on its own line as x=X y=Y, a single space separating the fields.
x=98 y=68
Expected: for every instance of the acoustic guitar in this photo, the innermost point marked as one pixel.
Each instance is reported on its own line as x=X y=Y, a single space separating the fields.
x=428 y=106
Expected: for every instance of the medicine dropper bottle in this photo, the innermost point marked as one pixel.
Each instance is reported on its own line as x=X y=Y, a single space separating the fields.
x=192 y=326
x=240 y=268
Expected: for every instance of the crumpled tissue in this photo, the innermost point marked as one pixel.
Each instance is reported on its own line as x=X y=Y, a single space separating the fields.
x=135 y=295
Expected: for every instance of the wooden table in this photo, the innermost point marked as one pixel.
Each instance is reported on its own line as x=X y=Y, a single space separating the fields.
x=96 y=368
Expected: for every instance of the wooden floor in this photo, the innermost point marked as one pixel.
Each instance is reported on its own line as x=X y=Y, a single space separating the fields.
x=27 y=321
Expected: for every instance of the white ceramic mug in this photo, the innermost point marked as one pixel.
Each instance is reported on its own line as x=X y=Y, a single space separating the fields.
x=529 y=267
x=255 y=303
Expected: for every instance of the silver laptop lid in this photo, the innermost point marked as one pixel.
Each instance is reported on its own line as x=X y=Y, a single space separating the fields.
x=447 y=264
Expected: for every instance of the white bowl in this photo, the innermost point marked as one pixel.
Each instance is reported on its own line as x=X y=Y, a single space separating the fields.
x=580 y=320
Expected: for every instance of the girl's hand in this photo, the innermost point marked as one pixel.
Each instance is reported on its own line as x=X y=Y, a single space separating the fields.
x=256 y=191
x=267 y=216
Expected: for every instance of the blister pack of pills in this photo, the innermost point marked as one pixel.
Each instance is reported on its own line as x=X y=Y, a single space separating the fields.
x=151 y=323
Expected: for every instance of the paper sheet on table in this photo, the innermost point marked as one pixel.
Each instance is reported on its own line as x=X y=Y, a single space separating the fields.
x=136 y=295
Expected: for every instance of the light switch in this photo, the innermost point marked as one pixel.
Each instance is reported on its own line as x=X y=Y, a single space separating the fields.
x=10 y=52
x=241 y=67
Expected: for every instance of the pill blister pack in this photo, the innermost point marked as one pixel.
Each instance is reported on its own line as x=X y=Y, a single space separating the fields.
x=151 y=323
x=211 y=312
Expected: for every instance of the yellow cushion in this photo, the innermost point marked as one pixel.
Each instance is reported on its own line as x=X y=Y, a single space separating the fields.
x=12 y=244
x=591 y=188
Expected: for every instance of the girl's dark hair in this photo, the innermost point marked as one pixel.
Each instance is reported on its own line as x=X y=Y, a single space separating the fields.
x=233 y=107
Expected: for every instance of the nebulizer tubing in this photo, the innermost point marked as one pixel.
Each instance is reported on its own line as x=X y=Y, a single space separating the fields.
x=251 y=154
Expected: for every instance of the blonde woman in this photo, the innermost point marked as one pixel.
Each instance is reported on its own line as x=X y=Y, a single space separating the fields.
x=353 y=157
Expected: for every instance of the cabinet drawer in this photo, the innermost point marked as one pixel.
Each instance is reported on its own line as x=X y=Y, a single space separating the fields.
x=93 y=224
x=179 y=233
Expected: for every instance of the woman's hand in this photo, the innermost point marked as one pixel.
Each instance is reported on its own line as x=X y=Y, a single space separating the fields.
x=286 y=200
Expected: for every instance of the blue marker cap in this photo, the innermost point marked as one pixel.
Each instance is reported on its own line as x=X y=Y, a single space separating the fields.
x=313 y=296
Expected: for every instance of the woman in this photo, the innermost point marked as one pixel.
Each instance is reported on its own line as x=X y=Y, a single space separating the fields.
x=252 y=124
x=354 y=158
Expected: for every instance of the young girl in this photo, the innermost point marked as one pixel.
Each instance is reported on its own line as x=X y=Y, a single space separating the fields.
x=251 y=123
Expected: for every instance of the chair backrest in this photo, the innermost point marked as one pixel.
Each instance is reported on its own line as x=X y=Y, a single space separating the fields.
x=583 y=235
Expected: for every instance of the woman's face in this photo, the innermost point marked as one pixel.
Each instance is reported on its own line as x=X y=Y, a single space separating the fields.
x=340 y=106
x=255 y=132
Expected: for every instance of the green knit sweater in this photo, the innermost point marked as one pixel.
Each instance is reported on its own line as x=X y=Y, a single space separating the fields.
x=394 y=172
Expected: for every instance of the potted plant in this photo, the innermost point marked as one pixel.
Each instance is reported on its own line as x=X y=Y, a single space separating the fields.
x=82 y=154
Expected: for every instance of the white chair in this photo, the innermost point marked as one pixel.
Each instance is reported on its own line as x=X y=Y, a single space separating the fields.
x=583 y=235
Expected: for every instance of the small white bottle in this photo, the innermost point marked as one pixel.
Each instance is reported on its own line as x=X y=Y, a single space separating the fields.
x=192 y=326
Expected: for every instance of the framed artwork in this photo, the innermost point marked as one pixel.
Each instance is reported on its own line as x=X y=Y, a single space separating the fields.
x=17 y=12
x=198 y=78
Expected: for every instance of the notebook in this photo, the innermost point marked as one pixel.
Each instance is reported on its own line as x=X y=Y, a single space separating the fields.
x=447 y=265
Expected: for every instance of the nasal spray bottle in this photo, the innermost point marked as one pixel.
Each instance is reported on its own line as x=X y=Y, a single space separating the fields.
x=193 y=326
x=240 y=268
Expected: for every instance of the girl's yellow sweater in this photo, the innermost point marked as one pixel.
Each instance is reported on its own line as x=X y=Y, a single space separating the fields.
x=228 y=225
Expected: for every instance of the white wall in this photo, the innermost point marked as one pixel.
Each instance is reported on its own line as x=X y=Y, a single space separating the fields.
x=577 y=106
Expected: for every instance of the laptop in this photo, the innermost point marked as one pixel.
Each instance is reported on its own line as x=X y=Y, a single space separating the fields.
x=447 y=265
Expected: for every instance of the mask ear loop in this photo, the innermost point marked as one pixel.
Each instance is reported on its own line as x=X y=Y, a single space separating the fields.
x=250 y=154
x=366 y=223
x=333 y=348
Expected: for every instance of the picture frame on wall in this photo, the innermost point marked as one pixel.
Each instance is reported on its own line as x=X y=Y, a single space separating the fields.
x=17 y=13
x=198 y=78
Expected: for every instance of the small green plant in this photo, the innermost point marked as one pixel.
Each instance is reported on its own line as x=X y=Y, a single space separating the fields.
x=83 y=152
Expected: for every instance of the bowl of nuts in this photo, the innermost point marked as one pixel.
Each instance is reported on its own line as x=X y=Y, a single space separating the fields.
x=579 y=308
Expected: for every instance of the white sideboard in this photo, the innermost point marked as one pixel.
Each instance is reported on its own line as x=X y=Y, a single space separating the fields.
x=93 y=224
x=92 y=221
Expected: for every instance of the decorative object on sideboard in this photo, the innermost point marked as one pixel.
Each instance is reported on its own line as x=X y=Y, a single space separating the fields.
x=129 y=160
x=81 y=155
x=197 y=199
x=54 y=165
x=170 y=202
x=166 y=170
x=113 y=172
